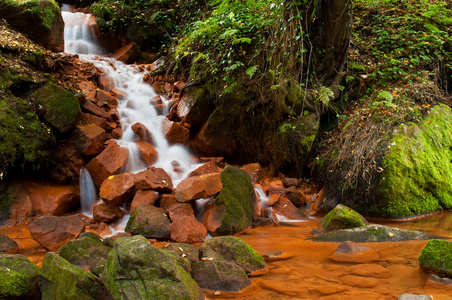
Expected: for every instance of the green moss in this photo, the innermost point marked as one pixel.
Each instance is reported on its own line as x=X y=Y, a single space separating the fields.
x=44 y=10
x=342 y=217
x=436 y=257
x=6 y=202
x=418 y=168
x=18 y=277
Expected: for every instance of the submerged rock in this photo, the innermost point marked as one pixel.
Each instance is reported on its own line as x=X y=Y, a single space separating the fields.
x=436 y=257
x=19 y=278
x=356 y=253
x=372 y=234
x=342 y=217
x=137 y=270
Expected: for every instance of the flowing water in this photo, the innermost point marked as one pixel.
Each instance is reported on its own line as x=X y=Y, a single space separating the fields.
x=309 y=273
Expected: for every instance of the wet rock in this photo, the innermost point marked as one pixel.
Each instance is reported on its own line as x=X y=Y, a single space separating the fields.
x=356 y=253
x=179 y=210
x=8 y=245
x=147 y=153
x=434 y=281
x=436 y=257
x=220 y=276
x=86 y=252
x=149 y=221
x=234 y=250
x=20 y=210
x=372 y=234
x=370 y=270
x=256 y=171
x=137 y=270
x=154 y=178
x=106 y=97
x=19 y=278
x=90 y=139
x=128 y=53
x=52 y=199
x=108 y=163
x=62 y=280
x=117 y=189
x=294 y=196
x=92 y=119
x=116 y=133
x=407 y=296
x=232 y=210
x=277 y=255
x=106 y=83
x=342 y=217
x=91 y=108
x=174 y=132
x=285 y=210
x=167 y=200
x=194 y=107
x=187 y=230
x=88 y=88
x=148 y=197
x=196 y=187
x=53 y=232
x=185 y=250
x=209 y=141
x=207 y=168
x=120 y=94
x=143 y=133
x=106 y=212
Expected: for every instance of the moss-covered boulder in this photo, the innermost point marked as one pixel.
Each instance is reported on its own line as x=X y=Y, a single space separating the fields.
x=137 y=270
x=59 y=107
x=373 y=234
x=19 y=278
x=234 y=250
x=62 y=280
x=417 y=176
x=189 y=251
x=342 y=217
x=86 y=252
x=149 y=221
x=220 y=276
x=40 y=20
x=436 y=257
x=232 y=210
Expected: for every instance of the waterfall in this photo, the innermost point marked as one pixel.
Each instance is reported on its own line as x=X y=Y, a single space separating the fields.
x=88 y=194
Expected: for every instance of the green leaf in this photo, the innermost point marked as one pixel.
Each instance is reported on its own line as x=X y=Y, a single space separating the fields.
x=251 y=70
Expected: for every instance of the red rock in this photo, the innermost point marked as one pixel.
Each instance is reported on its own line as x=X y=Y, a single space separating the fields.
x=104 y=212
x=117 y=189
x=106 y=82
x=272 y=200
x=196 y=187
x=354 y=252
x=179 y=210
x=287 y=210
x=370 y=270
x=69 y=161
x=179 y=85
x=92 y=119
x=256 y=171
x=159 y=108
x=147 y=152
x=114 y=114
x=119 y=94
x=211 y=142
x=156 y=100
x=148 y=197
x=106 y=97
x=169 y=88
x=89 y=88
x=53 y=232
x=50 y=199
x=174 y=132
x=116 y=133
x=108 y=163
x=93 y=109
x=128 y=53
x=154 y=178
x=143 y=133
x=167 y=200
x=20 y=210
x=157 y=86
x=187 y=230
x=207 y=168
x=90 y=139
x=101 y=229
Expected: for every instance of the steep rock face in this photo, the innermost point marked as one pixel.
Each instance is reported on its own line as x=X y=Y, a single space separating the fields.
x=417 y=176
x=137 y=270
x=41 y=20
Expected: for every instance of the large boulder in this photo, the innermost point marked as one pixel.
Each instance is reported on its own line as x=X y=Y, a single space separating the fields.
x=8 y=245
x=372 y=234
x=117 y=189
x=90 y=139
x=137 y=270
x=106 y=212
x=19 y=278
x=233 y=250
x=342 y=217
x=196 y=187
x=108 y=163
x=189 y=251
x=417 y=176
x=53 y=232
x=436 y=257
x=40 y=20
x=149 y=221
x=52 y=199
x=155 y=179
x=232 y=210
x=62 y=280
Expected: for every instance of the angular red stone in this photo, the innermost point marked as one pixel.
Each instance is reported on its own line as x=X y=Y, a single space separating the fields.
x=143 y=133
x=207 y=168
x=196 y=187
x=174 y=132
x=154 y=178
x=118 y=189
x=50 y=199
x=187 y=230
x=108 y=163
x=90 y=139
x=147 y=152
x=105 y=212
x=148 y=197
x=106 y=97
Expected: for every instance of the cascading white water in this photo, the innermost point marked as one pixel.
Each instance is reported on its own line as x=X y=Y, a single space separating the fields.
x=88 y=194
x=134 y=106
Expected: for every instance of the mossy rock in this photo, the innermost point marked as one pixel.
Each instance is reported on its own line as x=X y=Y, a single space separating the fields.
x=40 y=20
x=19 y=278
x=86 y=252
x=59 y=107
x=417 y=177
x=62 y=280
x=149 y=221
x=373 y=234
x=342 y=217
x=234 y=250
x=137 y=270
x=191 y=252
x=436 y=257
x=236 y=201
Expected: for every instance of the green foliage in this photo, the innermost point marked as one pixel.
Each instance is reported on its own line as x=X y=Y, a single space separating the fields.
x=436 y=257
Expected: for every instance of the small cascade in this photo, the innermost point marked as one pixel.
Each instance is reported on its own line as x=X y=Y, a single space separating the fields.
x=262 y=199
x=88 y=193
